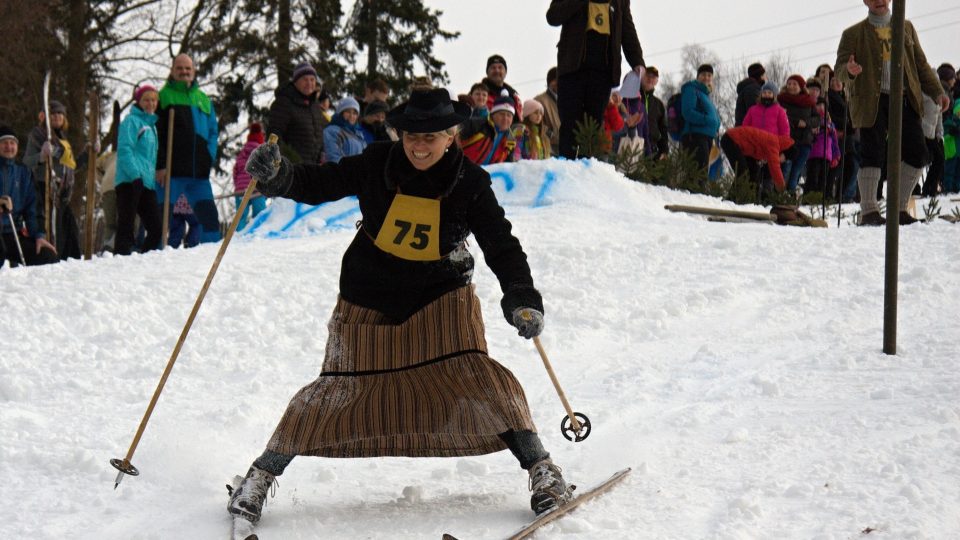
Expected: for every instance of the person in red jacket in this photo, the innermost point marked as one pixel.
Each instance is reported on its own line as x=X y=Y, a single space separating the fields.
x=743 y=142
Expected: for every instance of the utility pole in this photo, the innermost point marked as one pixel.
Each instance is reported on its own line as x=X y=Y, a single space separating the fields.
x=894 y=139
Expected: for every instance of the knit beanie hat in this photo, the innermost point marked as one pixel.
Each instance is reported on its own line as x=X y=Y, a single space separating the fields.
x=531 y=106
x=799 y=80
x=770 y=86
x=496 y=59
x=946 y=72
x=57 y=107
x=256 y=133
x=141 y=90
x=303 y=68
x=376 y=106
x=705 y=68
x=755 y=71
x=348 y=103
x=503 y=103
x=6 y=132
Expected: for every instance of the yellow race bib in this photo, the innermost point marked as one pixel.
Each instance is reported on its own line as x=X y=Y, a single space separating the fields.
x=411 y=229
x=598 y=17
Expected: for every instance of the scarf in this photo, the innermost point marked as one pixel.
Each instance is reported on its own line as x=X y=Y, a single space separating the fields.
x=797 y=100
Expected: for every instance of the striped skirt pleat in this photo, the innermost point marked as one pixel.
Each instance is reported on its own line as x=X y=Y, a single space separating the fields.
x=425 y=387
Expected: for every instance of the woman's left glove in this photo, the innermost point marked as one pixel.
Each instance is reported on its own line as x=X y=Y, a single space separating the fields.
x=270 y=169
x=528 y=321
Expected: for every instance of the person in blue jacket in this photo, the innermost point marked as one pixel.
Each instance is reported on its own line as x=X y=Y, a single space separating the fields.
x=343 y=137
x=137 y=177
x=20 y=236
x=701 y=122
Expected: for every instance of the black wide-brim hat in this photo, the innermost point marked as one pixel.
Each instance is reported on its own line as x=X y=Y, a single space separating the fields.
x=428 y=111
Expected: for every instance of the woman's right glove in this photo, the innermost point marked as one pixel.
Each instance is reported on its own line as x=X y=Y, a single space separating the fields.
x=270 y=169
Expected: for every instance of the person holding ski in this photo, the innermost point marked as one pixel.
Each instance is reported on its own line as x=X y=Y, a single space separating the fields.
x=406 y=371
x=18 y=211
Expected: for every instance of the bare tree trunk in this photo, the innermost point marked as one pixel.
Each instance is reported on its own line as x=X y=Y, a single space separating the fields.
x=282 y=54
x=75 y=72
x=372 y=51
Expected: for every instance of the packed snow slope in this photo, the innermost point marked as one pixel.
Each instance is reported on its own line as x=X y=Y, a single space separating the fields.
x=736 y=367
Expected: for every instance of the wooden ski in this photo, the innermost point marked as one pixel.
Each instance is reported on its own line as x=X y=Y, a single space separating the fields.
x=562 y=511
x=721 y=212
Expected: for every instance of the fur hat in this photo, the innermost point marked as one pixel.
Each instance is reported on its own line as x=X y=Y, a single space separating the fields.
x=496 y=59
x=348 y=103
x=755 y=71
x=504 y=103
x=6 y=132
x=428 y=111
x=531 y=106
x=799 y=80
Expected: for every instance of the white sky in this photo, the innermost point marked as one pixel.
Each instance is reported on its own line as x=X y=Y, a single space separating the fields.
x=807 y=30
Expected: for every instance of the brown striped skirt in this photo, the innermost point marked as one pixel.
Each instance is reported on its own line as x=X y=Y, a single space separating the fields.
x=422 y=388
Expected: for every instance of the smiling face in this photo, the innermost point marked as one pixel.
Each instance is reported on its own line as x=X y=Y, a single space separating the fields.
x=8 y=148
x=149 y=101
x=793 y=87
x=350 y=115
x=497 y=72
x=424 y=150
x=306 y=85
x=182 y=69
x=878 y=7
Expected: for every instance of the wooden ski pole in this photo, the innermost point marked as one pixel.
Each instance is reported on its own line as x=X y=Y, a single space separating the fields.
x=124 y=465
x=91 y=177
x=556 y=383
x=166 y=187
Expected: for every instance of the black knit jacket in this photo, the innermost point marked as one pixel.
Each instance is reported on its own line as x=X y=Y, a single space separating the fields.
x=398 y=288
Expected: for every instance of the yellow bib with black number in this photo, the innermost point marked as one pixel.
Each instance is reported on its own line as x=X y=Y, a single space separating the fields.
x=598 y=17
x=411 y=229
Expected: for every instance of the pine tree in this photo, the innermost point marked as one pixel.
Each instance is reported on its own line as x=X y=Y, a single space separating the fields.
x=395 y=34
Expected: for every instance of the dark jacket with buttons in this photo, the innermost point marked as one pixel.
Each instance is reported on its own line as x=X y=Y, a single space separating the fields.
x=571 y=16
x=397 y=287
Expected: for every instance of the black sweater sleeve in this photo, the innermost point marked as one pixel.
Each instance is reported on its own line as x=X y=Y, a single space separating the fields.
x=315 y=184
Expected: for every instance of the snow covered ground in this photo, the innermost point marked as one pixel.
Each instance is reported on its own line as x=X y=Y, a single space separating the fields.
x=736 y=367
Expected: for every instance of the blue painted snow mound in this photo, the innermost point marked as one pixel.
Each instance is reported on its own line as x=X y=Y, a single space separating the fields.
x=519 y=186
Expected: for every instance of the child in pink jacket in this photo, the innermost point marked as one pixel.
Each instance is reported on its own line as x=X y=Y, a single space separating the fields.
x=824 y=155
x=768 y=115
x=241 y=179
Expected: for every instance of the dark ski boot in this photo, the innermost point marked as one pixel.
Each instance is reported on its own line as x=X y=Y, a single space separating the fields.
x=549 y=488
x=247 y=500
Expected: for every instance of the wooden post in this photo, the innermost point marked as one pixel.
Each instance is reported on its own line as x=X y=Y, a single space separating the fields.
x=94 y=125
x=894 y=140
x=166 y=187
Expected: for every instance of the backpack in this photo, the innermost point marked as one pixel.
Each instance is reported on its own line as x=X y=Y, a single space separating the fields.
x=674 y=117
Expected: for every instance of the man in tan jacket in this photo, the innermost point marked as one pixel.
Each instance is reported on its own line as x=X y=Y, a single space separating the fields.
x=863 y=65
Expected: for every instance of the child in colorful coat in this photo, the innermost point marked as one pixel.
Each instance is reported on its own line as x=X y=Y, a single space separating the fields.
x=533 y=144
x=485 y=141
x=241 y=179
x=824 y=154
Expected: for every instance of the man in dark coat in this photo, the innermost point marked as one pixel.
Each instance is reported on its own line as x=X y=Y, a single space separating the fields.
x=748 y=91
x=592 y=36
x=656 y=118
x=296 y=116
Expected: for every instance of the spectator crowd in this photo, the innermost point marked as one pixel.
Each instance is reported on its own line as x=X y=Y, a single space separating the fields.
x=823 y=133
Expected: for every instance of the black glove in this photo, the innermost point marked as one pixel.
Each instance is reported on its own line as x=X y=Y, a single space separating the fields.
x=271 y=170
x=528 y=321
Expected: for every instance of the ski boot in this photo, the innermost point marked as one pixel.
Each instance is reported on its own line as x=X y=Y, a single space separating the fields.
x=549 y=488
x=247 y=500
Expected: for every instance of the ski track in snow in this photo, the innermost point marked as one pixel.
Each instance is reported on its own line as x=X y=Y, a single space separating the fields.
x=736 y=367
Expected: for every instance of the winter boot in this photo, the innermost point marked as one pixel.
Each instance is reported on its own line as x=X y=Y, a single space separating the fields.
x=548 y=487
x=872 y=219
x=907 y=219
x=247 y=500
